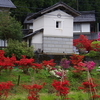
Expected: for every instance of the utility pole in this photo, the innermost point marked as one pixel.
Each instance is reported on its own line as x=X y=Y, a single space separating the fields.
x=77 y=5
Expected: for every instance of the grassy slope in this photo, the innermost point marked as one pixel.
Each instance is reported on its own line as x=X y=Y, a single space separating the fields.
x=47 y=93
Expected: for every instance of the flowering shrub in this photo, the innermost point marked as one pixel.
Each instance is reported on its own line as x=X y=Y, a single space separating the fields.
x=75 y=59
x=95 y=45
x=89 y=65
x=33 y=91
x=4 y=89
x=56 y=72
x=79 y=67
x=25 y=63
x=37 y=66
x=90 y=87
x=95 y=96
x=65 y=63
x=61 y=88
x=6 y=62
x=49 y=64
x=82 y=42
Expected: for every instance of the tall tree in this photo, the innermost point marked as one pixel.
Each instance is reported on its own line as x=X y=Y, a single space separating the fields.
x=9 y=27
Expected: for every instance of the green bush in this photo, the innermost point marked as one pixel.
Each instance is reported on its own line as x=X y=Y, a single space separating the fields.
x=92 y=54
x=18 y=48
x=95 y=42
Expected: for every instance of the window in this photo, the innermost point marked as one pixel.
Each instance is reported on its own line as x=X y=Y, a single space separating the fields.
x=58 y=24
x=2 y=43
x=81 y=27
x=77 y=27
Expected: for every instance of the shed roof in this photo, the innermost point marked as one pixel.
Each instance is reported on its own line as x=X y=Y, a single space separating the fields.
x=7 y=4
x=59 y=5
x=41 y=30
x=86 y=16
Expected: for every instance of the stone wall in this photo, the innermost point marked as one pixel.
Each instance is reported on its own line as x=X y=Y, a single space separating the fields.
x=57 y=44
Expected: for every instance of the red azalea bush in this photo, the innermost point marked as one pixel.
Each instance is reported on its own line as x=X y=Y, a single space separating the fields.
x=6 y=62
x=79 y=67
x=49 y=64
x=5 y=87
x=88 y=86
x=37 y=66
x=95 y=96
x=75 y=59
x=82 y=42
x=25 y=63
x=33 y=91
x=61 y=88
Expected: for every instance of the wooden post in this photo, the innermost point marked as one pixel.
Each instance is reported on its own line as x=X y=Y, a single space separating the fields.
x=18 y=80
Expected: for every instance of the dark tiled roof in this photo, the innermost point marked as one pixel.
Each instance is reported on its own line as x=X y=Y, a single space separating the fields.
x=26 y=21
x=7 y=4
x=59 y=5
x=33 y=33
x=86 y=16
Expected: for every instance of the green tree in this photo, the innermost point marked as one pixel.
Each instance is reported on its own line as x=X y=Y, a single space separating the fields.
x=9 y=27
x=26 y=6
x=18 y=48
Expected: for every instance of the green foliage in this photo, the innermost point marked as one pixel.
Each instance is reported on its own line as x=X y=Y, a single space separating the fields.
x=18 y=48
x=75 y=79
x=92 y=54
x=9 y=27
x=26 y=6
x=95 y=42
x=78 y=96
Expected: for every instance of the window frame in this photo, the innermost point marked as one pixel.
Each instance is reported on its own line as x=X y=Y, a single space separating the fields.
x=60 y=24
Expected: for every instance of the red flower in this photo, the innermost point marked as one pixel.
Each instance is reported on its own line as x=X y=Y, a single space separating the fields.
x=61 y=87
x=33 y=91
x=4 y=88
x=88 y=86
x=37 y=66
x=6 y=62
x=95 y=96
x=75 y=59
x=50 y=63
x=83 y=40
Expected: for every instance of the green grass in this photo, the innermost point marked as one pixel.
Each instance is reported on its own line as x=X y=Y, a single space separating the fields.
x=45 y=96
x=41 y=76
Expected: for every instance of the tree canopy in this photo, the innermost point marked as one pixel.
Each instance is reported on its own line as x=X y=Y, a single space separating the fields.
x=30 y=6
x=9 y=27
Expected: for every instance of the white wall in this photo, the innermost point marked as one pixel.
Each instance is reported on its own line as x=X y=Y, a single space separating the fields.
x=38 y=23
x=50 y=24
x=37 y=38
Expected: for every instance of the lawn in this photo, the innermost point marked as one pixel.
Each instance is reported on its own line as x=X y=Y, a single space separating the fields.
x=18 y=78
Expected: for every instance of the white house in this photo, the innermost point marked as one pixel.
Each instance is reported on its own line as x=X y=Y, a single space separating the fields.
x=51 y=30
x=5 y=6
